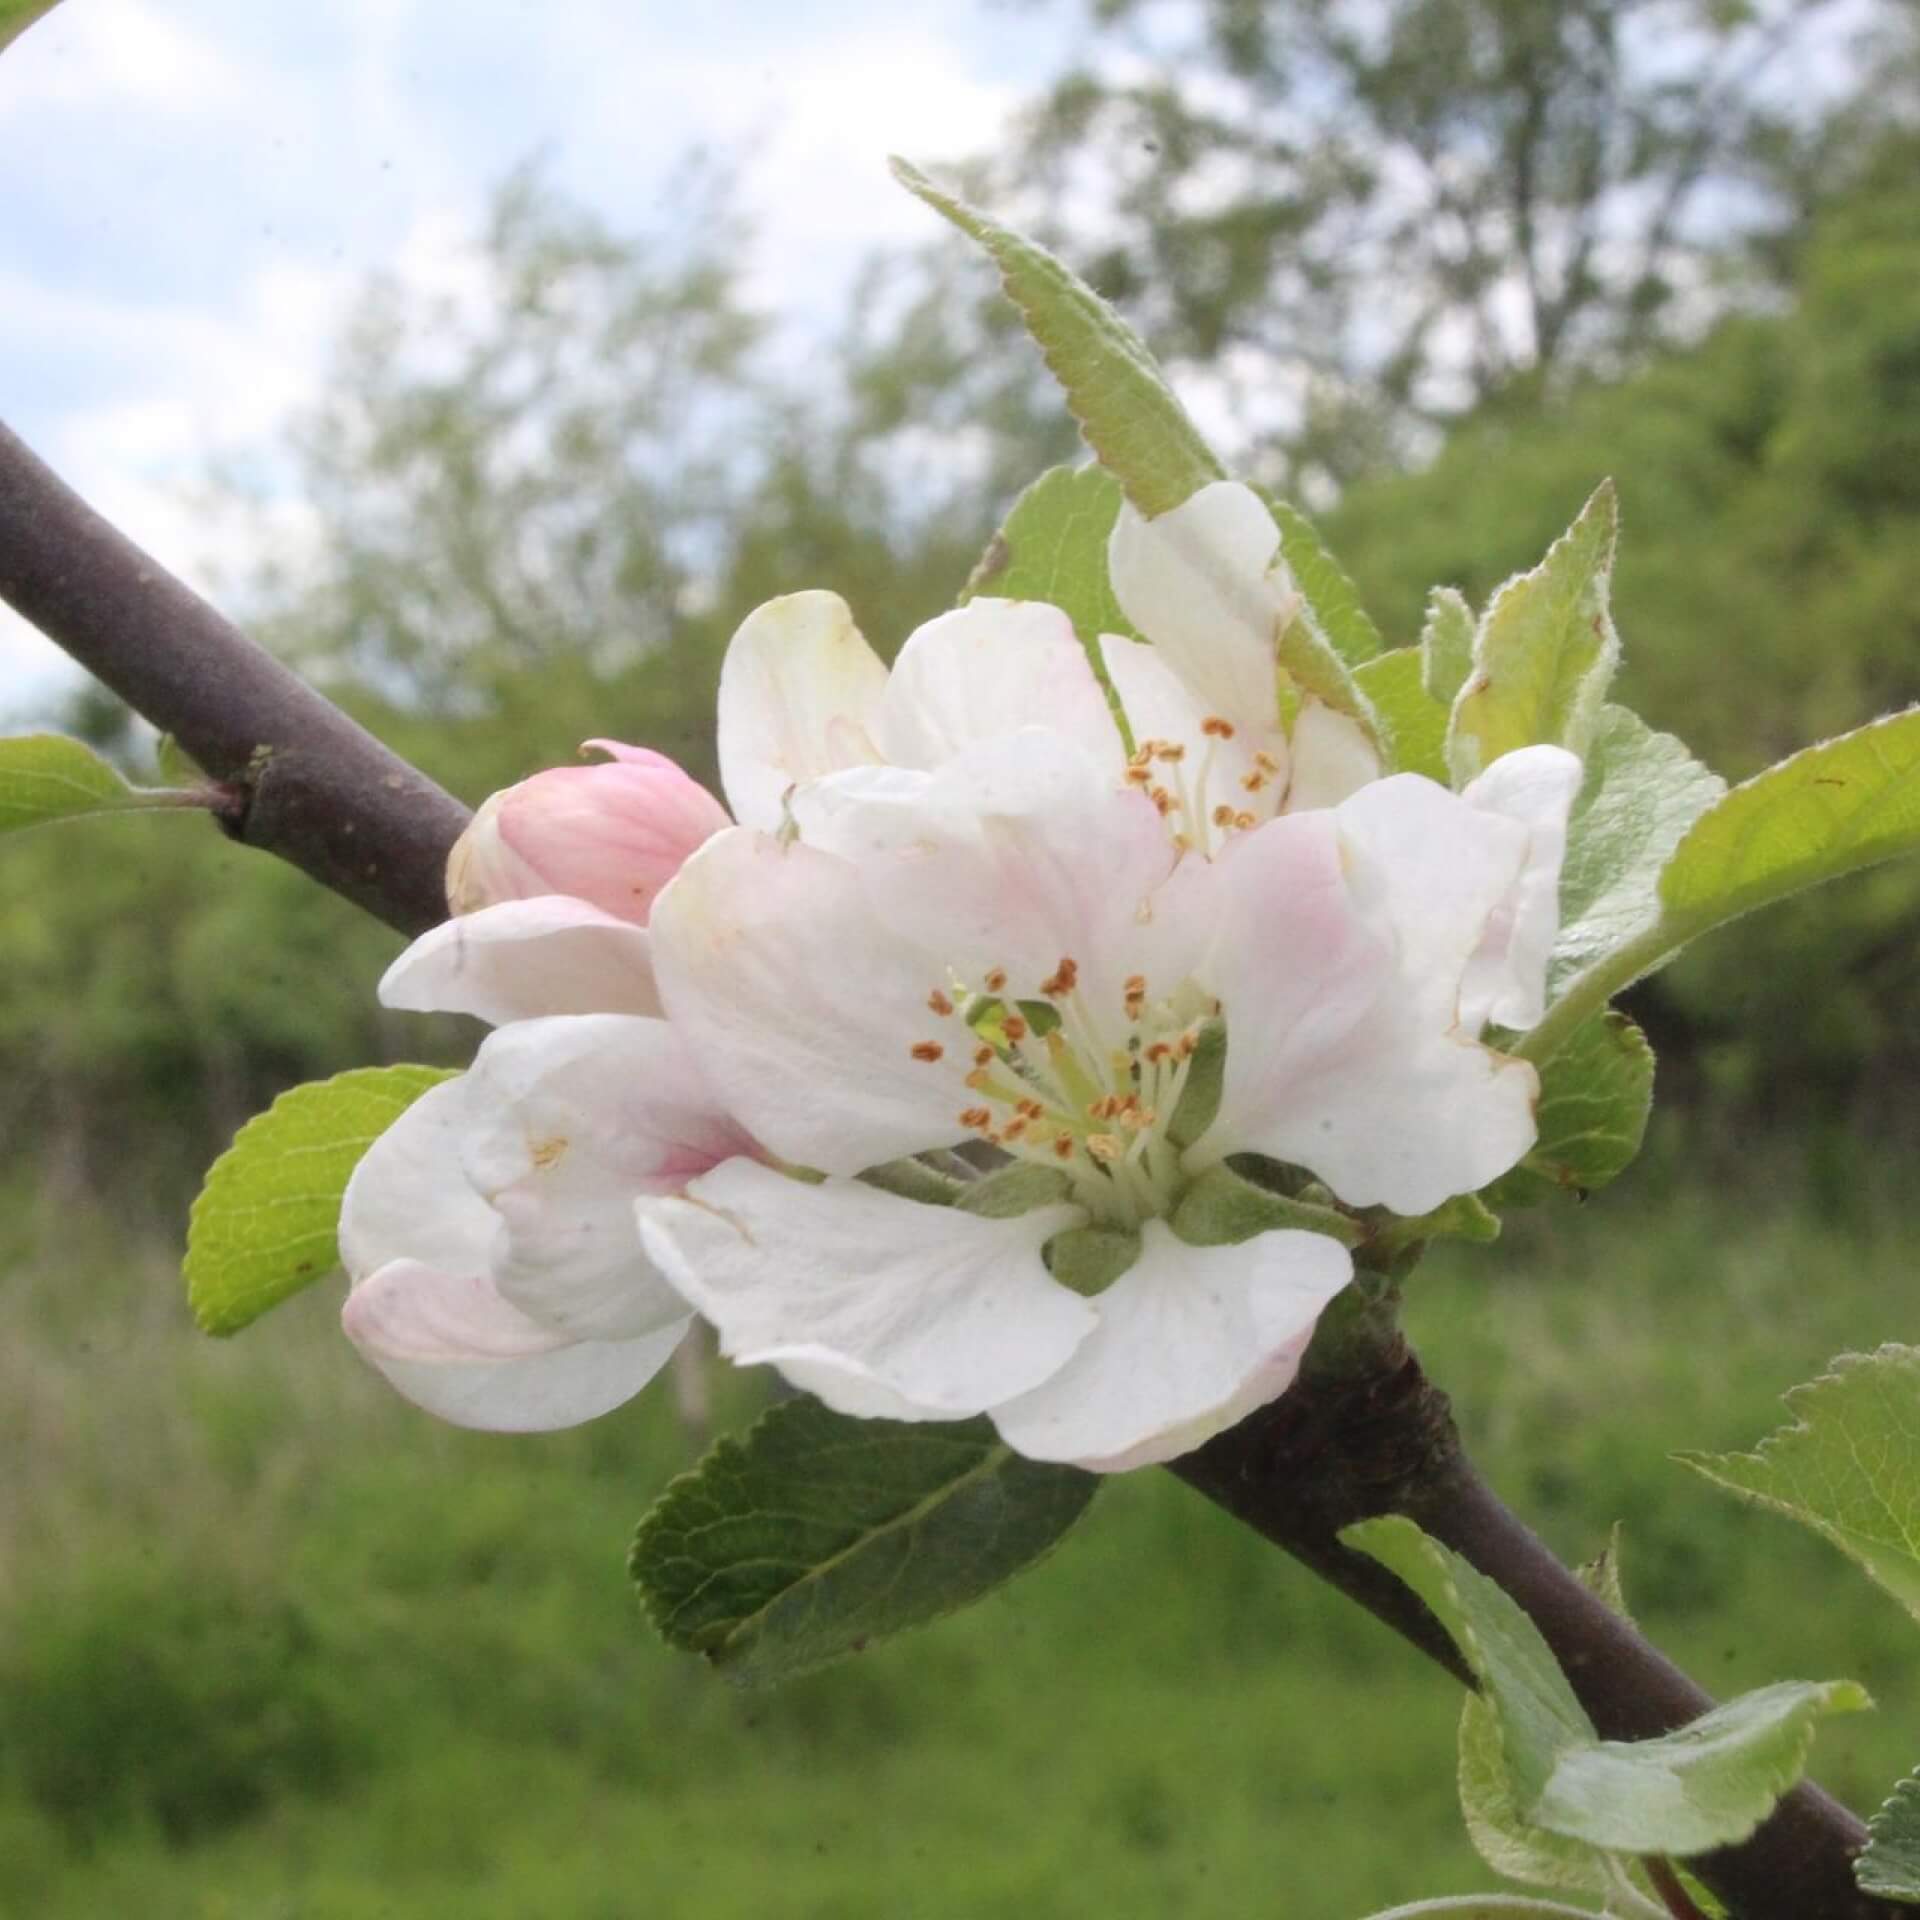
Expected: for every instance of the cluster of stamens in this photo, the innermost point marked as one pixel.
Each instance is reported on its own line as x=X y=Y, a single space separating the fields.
x=1058 y=1092
x=1158 y=769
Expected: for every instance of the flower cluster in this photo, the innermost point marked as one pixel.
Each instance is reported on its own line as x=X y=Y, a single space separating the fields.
x=1100 y=917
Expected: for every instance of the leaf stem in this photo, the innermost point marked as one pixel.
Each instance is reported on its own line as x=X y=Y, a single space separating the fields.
x=1592 y=989
x=1666 y=1883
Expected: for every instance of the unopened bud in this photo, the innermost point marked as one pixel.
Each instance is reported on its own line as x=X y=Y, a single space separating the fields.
x=613 y=833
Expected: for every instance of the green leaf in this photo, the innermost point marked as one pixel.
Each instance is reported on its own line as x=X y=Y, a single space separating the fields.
x=815 y=1534
x=1544 y=652
x=1848 y=1466
x=16 y=16
x=1502 y=1836
x=46 y=776
x=1889 y=1864
x=1446 y=645
x=1329 y=592
x=1601 y=1576
x=1312 y=664
x=266 y=1222
x=1413 y=724
x=1053 y=547
x=1595 y=1095
x=1833 y=809
x=1642 y=791
x=1113 y=385
x=1535 y=1709
x=1706 y=1785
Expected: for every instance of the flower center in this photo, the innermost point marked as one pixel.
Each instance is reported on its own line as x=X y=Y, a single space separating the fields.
x=1091 y=1091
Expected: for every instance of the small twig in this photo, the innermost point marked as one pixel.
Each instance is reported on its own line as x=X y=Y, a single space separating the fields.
x=315 y=788
x=1666 y=1883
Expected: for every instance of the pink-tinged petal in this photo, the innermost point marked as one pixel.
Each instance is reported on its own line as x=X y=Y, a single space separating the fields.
x=1332 y=758
x=800 y=695
x=612 y=834
x=454 y=1347
x=805 y=1009
x=417 y=1241
x=1506 y=976
x=568 y=1121
x=1015 y=855
x=1339 y=1060
x=1436 y=872
x=526 y=958
x=1190 y=1340
x=1296 y=967
x=876 y=1301
x=1211 y=771
x=408 y=1198
x=1205 y=583
x=990 y=668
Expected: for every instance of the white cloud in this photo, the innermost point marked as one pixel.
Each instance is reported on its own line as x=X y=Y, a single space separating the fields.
x=196 y=188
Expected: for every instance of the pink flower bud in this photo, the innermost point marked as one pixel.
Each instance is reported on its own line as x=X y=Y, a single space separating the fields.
x=613 y=833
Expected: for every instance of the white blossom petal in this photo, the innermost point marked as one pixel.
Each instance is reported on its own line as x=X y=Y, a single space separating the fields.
x=1337 y=1059
x=417 y=1240
x=525 y=958
x=453 y=1346
x=1205 y=583
x=1506 y=975
x=876 y=1301
x=1332 y=757
x=408 y=1198
x=1190 y=1340
x=567 y=1121
x=1211 y=771
x=1437 y=872
x=1016 y=854
x=800 y=695
x=990 y=668
x=804 y=1008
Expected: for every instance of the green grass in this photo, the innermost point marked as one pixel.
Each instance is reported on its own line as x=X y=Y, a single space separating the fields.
x=273 y=1647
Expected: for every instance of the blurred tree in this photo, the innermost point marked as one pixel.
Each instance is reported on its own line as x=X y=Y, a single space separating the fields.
x=1357 y=222
x=1768 y=594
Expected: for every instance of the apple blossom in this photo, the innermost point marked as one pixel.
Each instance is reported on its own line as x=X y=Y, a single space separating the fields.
x=1005 y=942
x=612 y=833
x=803 y=694
x=498 y=1278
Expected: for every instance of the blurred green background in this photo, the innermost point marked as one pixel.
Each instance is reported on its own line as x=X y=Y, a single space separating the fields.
x=273 y=1645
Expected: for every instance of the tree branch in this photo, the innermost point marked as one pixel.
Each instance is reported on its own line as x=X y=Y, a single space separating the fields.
x=1379 y=1438
x=312 y=786
x=1365 y=1435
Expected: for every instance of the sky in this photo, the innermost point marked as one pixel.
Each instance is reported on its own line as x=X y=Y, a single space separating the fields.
x=196 y=189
